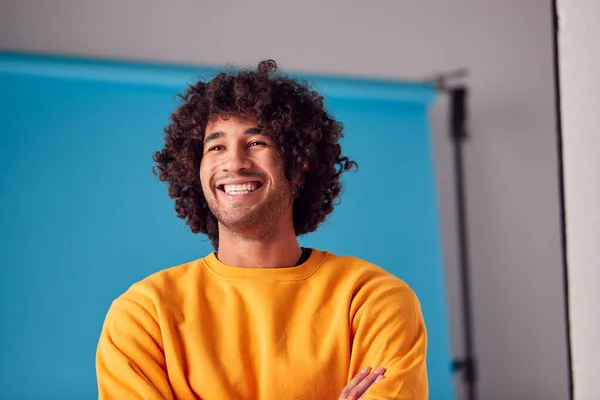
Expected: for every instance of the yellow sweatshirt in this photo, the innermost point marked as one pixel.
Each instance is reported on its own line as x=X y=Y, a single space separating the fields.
x=212 y=331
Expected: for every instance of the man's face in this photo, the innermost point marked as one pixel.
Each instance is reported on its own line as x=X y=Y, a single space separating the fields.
x=242 y=177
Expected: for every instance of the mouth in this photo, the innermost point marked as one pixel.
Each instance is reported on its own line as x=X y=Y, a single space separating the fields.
x=239 y=189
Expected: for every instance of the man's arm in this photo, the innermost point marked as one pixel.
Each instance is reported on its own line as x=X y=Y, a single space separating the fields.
x=130 y=362
x=389 y=331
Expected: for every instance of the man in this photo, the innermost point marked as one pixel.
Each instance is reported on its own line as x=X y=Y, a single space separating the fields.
x=252 y=160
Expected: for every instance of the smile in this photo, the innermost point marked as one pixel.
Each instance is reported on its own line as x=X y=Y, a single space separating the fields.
x=240 y=188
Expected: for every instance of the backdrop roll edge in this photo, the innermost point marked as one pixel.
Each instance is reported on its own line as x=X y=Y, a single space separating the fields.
x=176 y=77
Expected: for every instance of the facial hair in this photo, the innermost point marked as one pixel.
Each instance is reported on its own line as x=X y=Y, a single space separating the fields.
x=259 y=222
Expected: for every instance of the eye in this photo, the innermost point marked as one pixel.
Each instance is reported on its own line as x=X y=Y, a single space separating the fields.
x=215 y=148
x=256 y=143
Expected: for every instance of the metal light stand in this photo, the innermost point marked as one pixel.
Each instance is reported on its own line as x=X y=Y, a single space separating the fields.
x=458 y=134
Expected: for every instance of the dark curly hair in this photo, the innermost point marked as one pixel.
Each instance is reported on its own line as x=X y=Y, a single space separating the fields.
x=287 y=110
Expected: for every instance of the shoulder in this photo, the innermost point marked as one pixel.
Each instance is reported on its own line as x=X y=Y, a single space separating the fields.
x=371 y=284
x=159 y=288
x=365 y=274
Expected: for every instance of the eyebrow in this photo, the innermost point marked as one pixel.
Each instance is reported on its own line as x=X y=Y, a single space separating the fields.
x=219 y=134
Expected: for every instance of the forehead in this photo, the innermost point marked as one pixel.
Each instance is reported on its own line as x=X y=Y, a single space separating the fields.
x=232 y=125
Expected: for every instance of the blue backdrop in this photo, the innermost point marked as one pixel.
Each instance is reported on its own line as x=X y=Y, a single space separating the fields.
x=82 y=217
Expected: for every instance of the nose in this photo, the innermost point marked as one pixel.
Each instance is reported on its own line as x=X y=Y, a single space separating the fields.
x=236 y=160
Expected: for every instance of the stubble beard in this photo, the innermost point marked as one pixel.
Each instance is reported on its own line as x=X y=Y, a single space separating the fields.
x=258 y=223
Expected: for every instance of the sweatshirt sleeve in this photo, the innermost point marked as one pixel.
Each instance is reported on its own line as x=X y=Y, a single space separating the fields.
x=389 y=331
x=130 y=362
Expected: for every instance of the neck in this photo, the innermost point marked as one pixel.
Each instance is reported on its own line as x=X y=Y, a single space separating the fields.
x=278 y=250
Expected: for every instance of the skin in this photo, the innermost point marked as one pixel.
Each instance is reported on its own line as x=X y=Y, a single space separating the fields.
x=256 y=230
x=357 y=387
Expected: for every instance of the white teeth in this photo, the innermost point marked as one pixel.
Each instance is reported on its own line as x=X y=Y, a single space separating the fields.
x=237 y=192
x=244 y=188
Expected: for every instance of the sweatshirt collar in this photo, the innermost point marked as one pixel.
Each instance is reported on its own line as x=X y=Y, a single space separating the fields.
x=296 y=273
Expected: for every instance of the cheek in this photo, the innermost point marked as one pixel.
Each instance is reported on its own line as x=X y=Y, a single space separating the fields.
x=274 y=163
x=204 y=175
x=277 y=171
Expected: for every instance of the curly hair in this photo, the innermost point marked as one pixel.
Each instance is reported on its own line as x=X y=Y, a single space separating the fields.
x=287 y=110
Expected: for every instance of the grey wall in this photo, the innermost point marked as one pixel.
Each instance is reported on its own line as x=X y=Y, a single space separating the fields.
x=579 y=66
x=511 y=159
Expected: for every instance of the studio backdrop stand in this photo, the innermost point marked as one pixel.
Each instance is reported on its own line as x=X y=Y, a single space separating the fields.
x=458 y=107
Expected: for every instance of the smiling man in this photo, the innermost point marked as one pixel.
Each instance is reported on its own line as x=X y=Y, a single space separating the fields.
x=252 y=159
